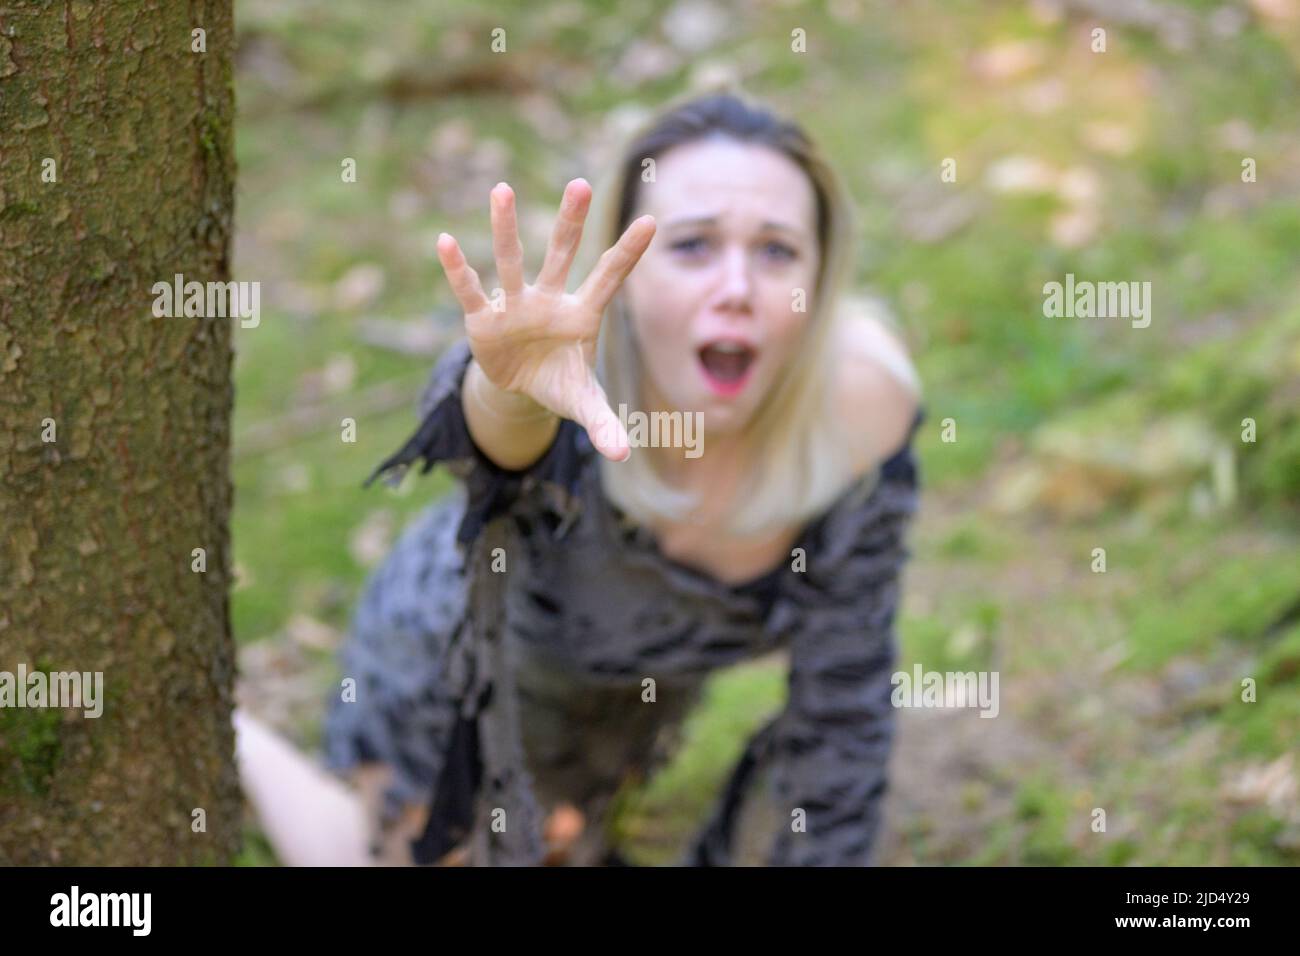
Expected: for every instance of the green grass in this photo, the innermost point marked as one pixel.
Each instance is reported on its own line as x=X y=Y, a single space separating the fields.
x=672 y=805
x=1207 y=600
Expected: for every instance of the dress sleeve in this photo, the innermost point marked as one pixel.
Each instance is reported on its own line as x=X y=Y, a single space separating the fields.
x=443 y=436
x=830 y=745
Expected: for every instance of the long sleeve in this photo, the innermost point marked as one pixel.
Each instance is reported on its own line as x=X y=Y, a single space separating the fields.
x=830 y=746
x=443 y=436
x=477 y=717
x=826 y=755
x=826 y=752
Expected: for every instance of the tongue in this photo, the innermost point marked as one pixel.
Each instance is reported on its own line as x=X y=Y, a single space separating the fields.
x=726 y=366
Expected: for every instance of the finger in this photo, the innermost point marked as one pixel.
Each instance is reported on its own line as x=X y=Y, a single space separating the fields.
x=505 y=240
x=566 y=236
x=464 y=280
x=616 y=263
x=606 y=431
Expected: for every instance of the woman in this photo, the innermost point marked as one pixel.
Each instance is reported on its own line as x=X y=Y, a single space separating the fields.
x=634 y=572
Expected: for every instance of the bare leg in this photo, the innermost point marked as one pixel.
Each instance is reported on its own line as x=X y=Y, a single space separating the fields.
x=310 y=817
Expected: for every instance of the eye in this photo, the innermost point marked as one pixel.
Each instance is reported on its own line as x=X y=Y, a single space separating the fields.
x=780 y=251
x=692 y=245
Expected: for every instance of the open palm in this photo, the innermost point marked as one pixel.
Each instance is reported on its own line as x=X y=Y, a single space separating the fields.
x=539 y=340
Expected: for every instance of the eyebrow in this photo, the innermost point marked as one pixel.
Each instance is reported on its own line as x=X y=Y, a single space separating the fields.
x=712 y=220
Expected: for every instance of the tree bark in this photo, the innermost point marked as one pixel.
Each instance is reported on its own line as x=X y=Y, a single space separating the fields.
x=98 y=527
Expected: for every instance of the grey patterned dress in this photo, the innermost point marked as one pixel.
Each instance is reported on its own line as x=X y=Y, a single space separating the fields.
x=592 y=609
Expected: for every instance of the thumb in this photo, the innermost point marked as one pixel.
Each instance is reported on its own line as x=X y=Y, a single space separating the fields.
x=604 y=428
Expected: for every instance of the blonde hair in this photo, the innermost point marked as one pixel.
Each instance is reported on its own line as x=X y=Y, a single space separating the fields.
x=795 y=438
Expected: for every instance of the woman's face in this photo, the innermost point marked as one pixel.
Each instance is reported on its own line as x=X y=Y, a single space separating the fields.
x=713 y=299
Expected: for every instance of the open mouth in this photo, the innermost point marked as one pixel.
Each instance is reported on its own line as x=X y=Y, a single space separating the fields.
x=727 y=365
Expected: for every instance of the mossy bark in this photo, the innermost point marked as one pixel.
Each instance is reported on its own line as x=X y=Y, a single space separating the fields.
x=97 y=527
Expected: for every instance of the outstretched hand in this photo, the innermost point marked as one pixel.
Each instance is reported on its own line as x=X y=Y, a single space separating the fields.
x=539 y=340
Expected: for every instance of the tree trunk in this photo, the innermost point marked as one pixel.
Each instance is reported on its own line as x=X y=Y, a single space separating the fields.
x=115 y=431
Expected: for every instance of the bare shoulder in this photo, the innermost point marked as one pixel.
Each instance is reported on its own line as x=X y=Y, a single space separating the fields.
x=878 y=387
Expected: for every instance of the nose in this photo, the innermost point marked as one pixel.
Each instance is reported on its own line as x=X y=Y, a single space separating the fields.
x=736 y=287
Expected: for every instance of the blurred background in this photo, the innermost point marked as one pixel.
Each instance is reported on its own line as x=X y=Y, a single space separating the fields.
x=1120 y=690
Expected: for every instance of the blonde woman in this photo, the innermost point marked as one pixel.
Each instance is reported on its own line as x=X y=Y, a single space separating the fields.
x=641 y=566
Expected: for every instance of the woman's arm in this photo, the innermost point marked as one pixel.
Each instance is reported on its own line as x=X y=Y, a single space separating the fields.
x=825 y=755
x=511 y=429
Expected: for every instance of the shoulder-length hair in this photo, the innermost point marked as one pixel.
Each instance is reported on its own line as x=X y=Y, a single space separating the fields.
x=795 y=438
